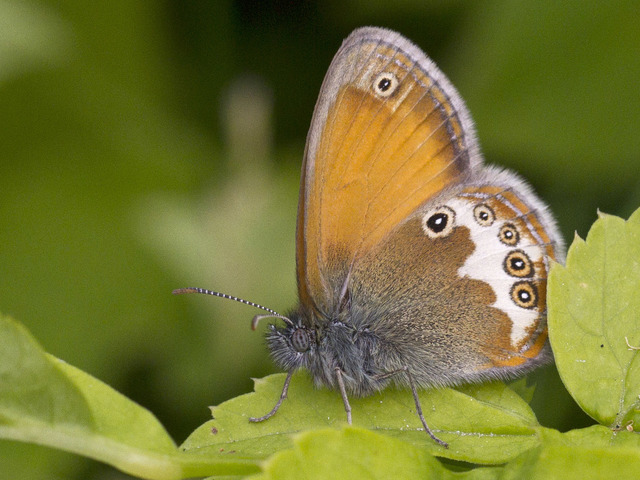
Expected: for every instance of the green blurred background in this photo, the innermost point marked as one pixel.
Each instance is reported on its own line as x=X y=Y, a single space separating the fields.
x=146 y=146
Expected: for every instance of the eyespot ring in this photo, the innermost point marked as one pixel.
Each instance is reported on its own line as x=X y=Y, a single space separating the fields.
x=438 y=222
x=525 y=295
x=484 y=215
x=509 y=235
x=385 y=84
x=518 y=264
x=300 y=340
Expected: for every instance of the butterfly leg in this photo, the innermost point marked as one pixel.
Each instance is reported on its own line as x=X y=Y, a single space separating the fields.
x=343 y=392
x=414 y=391
x=283 y=395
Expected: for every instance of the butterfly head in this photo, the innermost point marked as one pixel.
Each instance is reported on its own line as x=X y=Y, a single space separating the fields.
x=292 y=345
x=322 y=345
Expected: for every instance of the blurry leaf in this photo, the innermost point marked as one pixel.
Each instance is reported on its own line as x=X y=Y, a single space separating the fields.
x=48 y=402
x=484 y=424
x=30 y=35
x=593 y=312
x=558 y=106
x=45 y=401
x=32 y=386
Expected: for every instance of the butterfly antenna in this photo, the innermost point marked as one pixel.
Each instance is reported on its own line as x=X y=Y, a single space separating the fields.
x=256 y=319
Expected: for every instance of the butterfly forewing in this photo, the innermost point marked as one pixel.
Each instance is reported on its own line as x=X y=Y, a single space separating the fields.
x=386 y=136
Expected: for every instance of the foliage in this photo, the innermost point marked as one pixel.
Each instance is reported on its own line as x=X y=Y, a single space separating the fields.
x=593 y=316
x=491 y=429
x=146 y=146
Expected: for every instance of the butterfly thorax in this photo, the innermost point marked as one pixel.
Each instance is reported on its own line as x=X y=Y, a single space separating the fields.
x=329 y=345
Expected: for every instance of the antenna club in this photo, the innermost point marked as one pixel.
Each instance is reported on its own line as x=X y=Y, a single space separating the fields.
x=256 y=319
x=180 y=291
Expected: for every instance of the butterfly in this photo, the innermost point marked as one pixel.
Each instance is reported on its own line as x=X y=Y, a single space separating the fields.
x=416 y=263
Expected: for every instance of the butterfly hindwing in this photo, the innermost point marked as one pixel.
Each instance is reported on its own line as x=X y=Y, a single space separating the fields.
x=464 y=300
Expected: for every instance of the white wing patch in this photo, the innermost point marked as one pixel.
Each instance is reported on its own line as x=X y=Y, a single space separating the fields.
x=487 y=263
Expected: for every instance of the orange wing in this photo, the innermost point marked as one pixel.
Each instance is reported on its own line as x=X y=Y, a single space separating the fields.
x=389 y=132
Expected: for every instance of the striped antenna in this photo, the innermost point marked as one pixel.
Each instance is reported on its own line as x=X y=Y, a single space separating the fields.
x=256 y=319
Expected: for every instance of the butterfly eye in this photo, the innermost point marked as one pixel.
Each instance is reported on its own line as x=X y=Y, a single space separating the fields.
x=525 y=295
x=385 y=84
x=438 y=222
x=484 y=215
x=518 y=264
x=300 y=340
x=509 y=235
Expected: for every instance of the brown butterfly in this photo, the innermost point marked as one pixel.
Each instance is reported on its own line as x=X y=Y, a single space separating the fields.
x=416 y=263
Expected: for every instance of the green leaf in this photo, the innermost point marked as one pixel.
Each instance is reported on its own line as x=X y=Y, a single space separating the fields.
x=579 y=454
x=593 y=312
x=353 y=453
x=357 y=453
x=524 y=388
x=596 y=436
x=48 y=402
x=484 y=424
